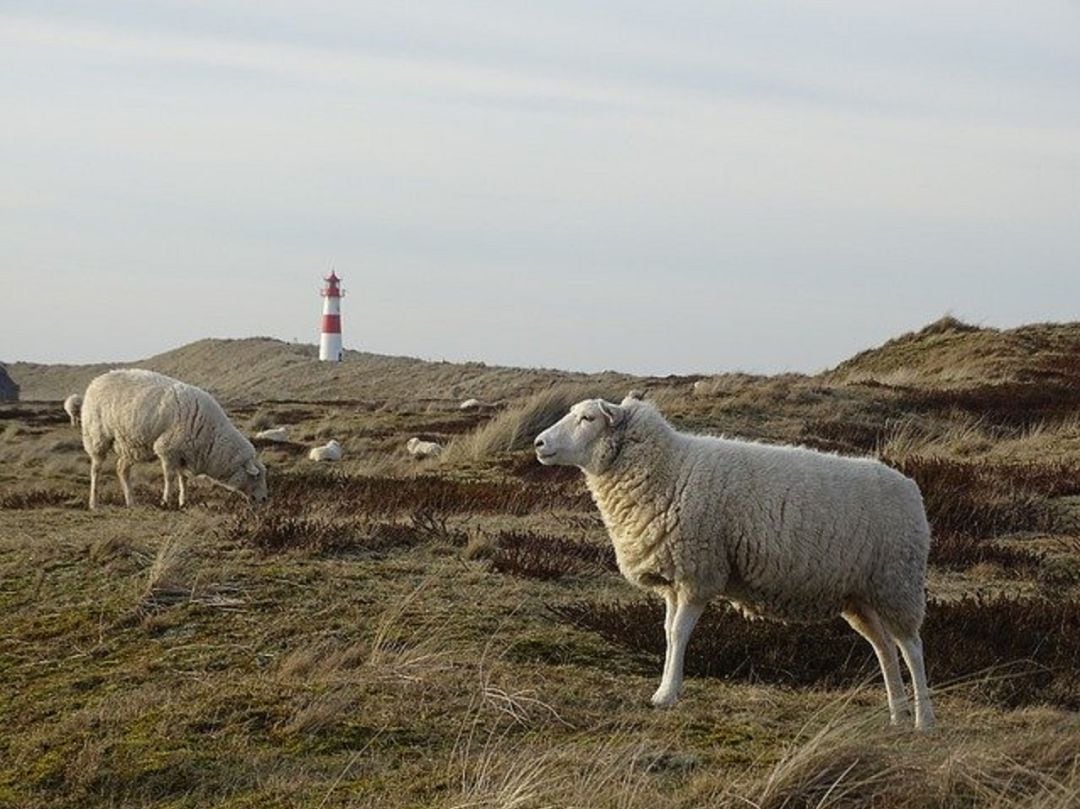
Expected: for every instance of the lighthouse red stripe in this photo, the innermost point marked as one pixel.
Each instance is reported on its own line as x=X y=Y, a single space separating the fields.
x=331 y=324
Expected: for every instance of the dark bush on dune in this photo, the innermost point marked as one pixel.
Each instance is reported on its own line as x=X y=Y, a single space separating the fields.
x=272 y=532
x=961 y=551
x=983 y=498
x=842 y=435
x=538 y=556
x=1018 y=651
x=1012 y=404
x=36 y=498
x=387 y=496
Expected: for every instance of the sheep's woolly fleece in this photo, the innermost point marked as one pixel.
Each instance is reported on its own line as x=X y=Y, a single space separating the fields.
x=780 y=531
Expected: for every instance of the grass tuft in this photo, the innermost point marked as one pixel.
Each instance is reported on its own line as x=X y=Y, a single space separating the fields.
x=515 y=428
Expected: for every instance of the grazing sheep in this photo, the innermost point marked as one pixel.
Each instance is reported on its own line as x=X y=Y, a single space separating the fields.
x=142 y=415
x=423 y=449
x=330 y=451
x=278 y=434
x=782 y=532
x=72 y=406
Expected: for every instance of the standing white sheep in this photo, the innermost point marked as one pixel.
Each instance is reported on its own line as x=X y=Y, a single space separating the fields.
x=782 y=532
x=142 y=415
x=73 y=406
x=330 y=451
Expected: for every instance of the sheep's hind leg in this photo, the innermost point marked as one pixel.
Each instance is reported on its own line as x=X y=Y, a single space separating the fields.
x=166 y=471
x=182 y=486
x=867 y=623
x=912 y=649
x=686 y=617
x=123 y=471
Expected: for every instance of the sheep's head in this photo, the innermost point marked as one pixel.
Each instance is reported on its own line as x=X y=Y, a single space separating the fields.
x=249 y=480
x=587 y=437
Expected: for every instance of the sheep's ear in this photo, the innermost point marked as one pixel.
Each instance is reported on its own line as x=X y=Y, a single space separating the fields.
x=252 y=468
x=635 y=395
x=612 y=412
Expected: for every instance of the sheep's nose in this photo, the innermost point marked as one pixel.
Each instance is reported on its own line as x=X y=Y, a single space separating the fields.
x=538 y=443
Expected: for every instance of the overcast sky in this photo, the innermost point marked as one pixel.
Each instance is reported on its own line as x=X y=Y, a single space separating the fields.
x=646 y=186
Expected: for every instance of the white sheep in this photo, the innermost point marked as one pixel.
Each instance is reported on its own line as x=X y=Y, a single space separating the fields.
x=276 y=434
x=472 y=404
x=423 y=449
x=72 y=406
x=142 y=415
x=782 y=532
x=330 y=451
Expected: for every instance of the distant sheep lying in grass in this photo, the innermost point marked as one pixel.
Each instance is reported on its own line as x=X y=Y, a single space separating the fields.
x=782 y=532
x=423 y=449
x=473 y=404
x=72 y=406
x=330 y=451
x=279 y=434
x=142 y=415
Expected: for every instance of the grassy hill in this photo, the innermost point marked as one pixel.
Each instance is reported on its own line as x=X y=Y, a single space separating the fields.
x=946 y=354
x=951 y=353
x=262 y=368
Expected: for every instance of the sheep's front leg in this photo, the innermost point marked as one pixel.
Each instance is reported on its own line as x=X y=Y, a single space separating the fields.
x=182 y=485
x=669 y=622
x=686 y=617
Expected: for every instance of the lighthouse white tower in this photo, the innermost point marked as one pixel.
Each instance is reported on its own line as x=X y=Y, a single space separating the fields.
x=330 y=339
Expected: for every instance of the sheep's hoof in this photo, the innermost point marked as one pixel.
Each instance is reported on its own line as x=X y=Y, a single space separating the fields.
x=901 y=719
x=664 y=699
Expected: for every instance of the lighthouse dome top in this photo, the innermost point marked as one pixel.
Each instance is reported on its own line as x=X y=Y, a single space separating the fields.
x=332 y=290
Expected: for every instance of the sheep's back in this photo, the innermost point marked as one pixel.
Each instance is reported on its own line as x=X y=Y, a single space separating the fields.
x=131 y=410
x=803 y=532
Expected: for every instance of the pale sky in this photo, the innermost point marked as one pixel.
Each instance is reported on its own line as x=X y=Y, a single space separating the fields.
x=659 y=187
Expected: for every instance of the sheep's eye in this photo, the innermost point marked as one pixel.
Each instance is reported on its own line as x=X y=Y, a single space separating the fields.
x=587 y=418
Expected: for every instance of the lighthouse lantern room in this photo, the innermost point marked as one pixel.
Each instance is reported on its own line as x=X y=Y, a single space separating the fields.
x=330 y=340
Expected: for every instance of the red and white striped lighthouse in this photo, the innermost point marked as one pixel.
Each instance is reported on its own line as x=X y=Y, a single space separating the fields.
x=330 y=339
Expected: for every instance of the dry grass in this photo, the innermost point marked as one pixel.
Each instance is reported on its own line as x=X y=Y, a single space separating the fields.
x=335 y=649
x=842 y=759
x=514 y=428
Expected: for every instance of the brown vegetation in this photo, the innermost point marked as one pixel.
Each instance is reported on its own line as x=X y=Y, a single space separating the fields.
x=453 y=633
x=536 y=556
x=1010 y=651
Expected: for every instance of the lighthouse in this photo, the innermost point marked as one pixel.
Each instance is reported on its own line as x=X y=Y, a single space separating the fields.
x=330 y=339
